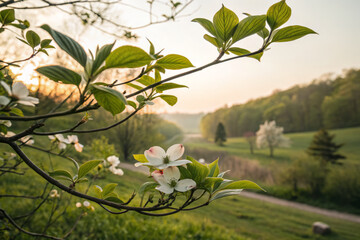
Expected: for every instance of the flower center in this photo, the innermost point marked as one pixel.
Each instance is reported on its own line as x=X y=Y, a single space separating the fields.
x=173 y=183
x=166 y=159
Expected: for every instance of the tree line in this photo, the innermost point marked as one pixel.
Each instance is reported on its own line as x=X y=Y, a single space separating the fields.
x=327 y=103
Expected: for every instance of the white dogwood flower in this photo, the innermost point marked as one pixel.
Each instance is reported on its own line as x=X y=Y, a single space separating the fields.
x=19 y=93
x=169 y=181
x=73 y=139
x=113 y=160
x=160 y=159
x=59 y=138
x=7 y=123
x=116 y=171
x=54 y=194
x=86 y=204
x=78 y=204
x=4 y=101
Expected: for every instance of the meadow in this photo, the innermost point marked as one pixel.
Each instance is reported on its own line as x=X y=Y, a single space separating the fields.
x=350 y=137
x=228 y=218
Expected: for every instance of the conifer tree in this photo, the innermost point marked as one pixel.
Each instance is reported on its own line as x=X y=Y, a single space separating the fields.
x=324 y=148
x=220 y=135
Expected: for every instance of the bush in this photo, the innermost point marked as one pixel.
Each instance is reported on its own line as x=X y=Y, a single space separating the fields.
x=343 y=185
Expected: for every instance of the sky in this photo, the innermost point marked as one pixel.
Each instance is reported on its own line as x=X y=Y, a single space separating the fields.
x=284 y=65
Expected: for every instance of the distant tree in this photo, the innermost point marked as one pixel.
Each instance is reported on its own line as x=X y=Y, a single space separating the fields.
x=220 y=135
x=271 y=136
x=251 y=139
x=324 y=148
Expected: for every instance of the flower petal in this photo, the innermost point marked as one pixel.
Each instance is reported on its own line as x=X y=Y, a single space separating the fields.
x=178 y=163
x=159 y=177
x=30 y=99
x=78 y=147
x=155 y=155
x=7 y=87
x=4 y=100
x=62 y=145
x=19 y=90
x=171 y=173
x=165 y=188
x=175 y=152
x=185 y=185
x=26 y=103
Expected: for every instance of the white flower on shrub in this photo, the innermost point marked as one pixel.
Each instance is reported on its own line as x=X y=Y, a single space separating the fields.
x=28 y=140
x=4 y=101
x=54 y=194
x=73 y=139
x=6 y=123
x=78 y=204
x=116 y=171
x=86 y=204
x=113 y=160
x=19 y=93
x=160 y=159
x=169 y=181
x=59 y=138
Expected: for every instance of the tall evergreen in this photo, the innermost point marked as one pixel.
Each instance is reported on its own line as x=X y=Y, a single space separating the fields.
x=220 y=134
x=324 y=148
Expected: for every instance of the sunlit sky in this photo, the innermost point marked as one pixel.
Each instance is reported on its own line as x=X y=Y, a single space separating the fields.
x=286 y=64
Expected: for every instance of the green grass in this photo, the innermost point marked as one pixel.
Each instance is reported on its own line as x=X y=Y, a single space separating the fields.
x=229 y=218
x=300 y=141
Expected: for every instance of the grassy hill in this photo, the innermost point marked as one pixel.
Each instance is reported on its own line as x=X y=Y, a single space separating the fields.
x=233 y=218
x=300 y=141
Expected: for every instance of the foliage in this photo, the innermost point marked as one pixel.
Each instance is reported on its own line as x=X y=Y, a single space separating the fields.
x=324 y=148
x=270 y=136
x=220 y=135
x=178 y=183
x=320 y=104
x=100 y=148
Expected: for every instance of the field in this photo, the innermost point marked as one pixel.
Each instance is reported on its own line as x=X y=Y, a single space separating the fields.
x=350 y=137
x=232 y=218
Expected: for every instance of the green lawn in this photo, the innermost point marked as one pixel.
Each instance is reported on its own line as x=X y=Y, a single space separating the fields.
x=300 y=141
x=228 y=218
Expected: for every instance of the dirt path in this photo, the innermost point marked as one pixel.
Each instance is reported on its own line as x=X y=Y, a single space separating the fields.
x=300 y=206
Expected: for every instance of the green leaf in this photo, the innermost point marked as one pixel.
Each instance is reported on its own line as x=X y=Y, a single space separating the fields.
x=157 y=76
x=45 y=43
x=174 y=61
x=7 y=16
x=110 y=99
x=291 y=33
x=184 y=173
x=61 y=173
x=212 y=40
x=225 y=193
x=132 y=104
x=225 y=21
x=148 y=186
x=140 y=158
x=114 y=199
x=241 y=52
x=68 y=45
x=101 y=55
x=146 y=80
x=20 y=26
x=278 y=14
x=243 y=184
x=17 y=111
x=198 y=171
x=152 y=48
x=210 y=182
x=169 y=99
x=127 y=57
x=32 y=38
x=263 y=33
x=214 y=168
x=248 y=26
x=87 y=167
x=137 y=87
x=60 y=74
x=109 y=188
x=207 y=24
x=98 y=191
x=168 y=86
